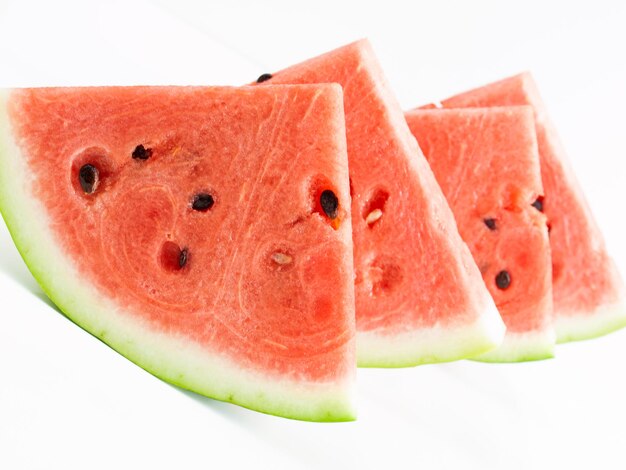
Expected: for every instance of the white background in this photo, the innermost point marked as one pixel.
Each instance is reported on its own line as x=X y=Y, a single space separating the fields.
x=67 y=401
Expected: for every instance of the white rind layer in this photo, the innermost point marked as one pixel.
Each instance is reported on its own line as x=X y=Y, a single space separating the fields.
x=173 y=359
x=580 y=326
x=521 y=347
x=432 y=345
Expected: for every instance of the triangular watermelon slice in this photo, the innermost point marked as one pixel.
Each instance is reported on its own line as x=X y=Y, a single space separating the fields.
x=487 y=164
x=589 y=295
x=204 y=233
x=419 y=295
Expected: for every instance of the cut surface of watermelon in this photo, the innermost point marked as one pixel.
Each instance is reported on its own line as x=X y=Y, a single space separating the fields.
x=182 y=226
x=487 y=164
x=419 y=295
x=589 y=295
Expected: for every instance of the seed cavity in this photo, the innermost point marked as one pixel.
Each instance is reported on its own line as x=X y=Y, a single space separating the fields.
x=538 y=204
x=264 y=77
x=329 y=203
x=202 y=202
x=141 y=153
x=89 y=178
x=373 y=216
x=375 y=207
x=173 y=258
x=282 y=258
x=503 y=280
x=384 y=276
x=490 y=223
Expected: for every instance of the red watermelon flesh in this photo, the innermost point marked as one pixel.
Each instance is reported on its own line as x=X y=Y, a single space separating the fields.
x=419 y=295
x=589 y=296
x=198 y=250
x=487 y=164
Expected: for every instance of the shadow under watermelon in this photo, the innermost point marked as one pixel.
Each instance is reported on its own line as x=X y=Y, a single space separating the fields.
x=235 y=413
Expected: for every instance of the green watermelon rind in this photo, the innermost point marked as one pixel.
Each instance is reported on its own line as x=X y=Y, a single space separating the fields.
x=432 y=345
x=522 y=347
x=173 y=360
x=583 y=326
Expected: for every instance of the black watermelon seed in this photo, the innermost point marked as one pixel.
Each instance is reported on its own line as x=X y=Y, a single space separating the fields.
x=89 y=177
x=490 y=223
x=329 y=203
x=182 y=258
x=202 y=202
x=538 y=204
x=503 y=280
x=263 y=78
x=141 y=153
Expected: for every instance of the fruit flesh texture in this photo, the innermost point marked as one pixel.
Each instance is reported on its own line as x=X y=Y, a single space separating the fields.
x=413 y=272
x=264 y=155
x=486 y=161
x=586 y=282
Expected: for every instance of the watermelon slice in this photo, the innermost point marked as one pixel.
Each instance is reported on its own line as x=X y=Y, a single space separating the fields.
x=487 y=164
x=589 y=295
x=419 y=295
x=204 y=233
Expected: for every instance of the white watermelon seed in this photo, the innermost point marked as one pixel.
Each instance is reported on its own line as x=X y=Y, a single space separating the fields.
x=281 y=258
x=373 y=216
